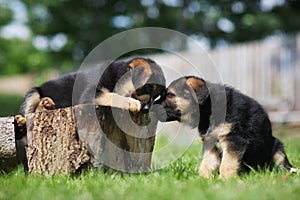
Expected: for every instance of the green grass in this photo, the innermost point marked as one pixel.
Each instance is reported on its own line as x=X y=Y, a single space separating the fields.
x=9 y=104
x=177 y=181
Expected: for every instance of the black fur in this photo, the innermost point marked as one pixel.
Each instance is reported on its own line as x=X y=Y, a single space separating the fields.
x=60 y=90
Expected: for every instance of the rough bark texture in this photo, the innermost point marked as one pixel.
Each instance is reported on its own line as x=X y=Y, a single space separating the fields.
x=117 y=139
x=8 y=159
x=106 y=137
x=53 y=145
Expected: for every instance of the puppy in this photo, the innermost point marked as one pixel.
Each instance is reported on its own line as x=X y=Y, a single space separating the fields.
x=244 y=135
x=131 y=85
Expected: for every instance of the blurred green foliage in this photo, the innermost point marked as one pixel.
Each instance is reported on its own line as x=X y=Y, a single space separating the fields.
x=18 y=56
x=63 y=32
x=5 y=15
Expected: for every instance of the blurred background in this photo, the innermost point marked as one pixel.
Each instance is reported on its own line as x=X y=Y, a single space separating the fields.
x=254 y=44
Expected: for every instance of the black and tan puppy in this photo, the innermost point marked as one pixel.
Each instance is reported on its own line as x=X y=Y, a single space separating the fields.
x=134 y=84
x=244 y=135
x=131 y=85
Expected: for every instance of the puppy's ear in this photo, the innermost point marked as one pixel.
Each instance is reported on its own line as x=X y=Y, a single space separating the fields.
x=140 y=70
x=200 y=89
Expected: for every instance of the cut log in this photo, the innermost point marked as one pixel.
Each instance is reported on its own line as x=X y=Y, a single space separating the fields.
x=62 y=140
x=53 y=145
x=117 y=139
x=8 y=160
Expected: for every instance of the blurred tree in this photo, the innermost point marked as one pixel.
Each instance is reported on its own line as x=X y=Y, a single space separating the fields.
x=18 y=56
x=65 y=31
x=5 y=15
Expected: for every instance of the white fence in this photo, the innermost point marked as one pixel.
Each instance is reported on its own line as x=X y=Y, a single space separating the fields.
x=267 y=70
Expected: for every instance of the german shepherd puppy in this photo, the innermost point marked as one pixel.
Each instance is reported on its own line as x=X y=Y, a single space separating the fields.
x=131 y=85
x=244 y=135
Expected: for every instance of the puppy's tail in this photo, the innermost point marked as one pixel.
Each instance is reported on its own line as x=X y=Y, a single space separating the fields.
x=31 y=101
x=279 y=157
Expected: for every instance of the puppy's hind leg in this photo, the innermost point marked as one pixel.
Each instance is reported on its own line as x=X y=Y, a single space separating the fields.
x=279 y=157
x=31 y=102
x=46 y=103
x=29 y=105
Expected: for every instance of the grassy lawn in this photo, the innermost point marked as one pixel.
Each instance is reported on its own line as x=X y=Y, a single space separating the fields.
x=177 y=181
x=9 y=104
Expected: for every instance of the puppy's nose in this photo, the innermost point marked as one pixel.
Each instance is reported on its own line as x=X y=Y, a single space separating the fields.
x=145 y=107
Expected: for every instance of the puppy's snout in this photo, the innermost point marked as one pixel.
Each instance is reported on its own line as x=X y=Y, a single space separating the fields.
x=145 y=107
x=143 y=98
x=160 y=112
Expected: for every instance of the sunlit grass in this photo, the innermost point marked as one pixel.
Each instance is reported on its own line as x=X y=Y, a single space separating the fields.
x=179 y=180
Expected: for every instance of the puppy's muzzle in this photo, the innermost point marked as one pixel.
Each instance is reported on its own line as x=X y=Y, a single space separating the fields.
x=146 y=101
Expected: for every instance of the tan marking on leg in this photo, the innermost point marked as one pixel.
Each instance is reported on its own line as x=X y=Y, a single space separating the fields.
x=31 y=103
x=210 y=162
x=46 y=103
x=221 y=130
x=230 y=163
x=20 y=120
x=115 y=100
x=278 y=160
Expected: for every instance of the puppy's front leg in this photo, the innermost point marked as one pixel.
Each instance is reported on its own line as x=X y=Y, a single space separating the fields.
x=230 y=164
x=210 y=162
x=115 y=100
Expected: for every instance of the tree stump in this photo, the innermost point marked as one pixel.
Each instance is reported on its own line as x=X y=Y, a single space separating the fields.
x=117 y=139
x=62 y=140
x=53 y=145
x=8 y=160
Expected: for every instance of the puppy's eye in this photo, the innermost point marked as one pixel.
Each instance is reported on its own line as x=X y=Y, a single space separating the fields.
x=170 y=95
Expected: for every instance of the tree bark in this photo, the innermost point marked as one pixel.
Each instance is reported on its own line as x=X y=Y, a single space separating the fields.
x=63 y=140
x=117 y=139
x=53 y=145
x=8 y=160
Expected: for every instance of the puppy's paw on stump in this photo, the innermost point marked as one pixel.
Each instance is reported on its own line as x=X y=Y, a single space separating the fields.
x=46 y=103
x=134 y=105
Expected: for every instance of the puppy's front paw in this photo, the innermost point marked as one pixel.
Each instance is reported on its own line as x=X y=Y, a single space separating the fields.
x=205 y=172
x=134 y=105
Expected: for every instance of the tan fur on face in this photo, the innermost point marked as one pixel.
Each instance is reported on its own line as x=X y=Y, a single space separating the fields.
x=141 y=63
x=184 y=105
x=124 y=86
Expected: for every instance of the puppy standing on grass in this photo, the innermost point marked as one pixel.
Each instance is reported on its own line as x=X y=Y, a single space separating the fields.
x=245 y=135
x=131 y=85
